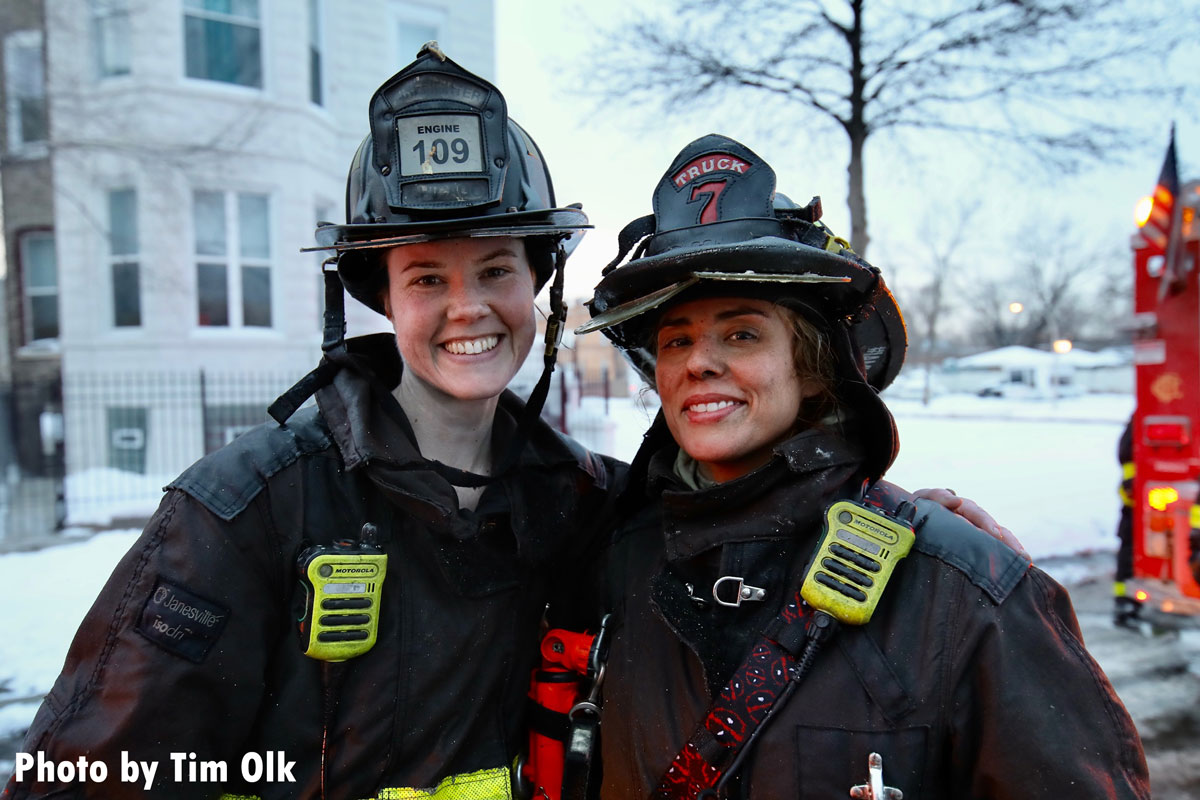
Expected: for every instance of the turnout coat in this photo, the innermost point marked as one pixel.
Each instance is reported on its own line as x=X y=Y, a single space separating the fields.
x=193 y=646
x=971 y=679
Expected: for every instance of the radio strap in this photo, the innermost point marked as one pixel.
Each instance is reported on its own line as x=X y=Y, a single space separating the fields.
x=758 y=688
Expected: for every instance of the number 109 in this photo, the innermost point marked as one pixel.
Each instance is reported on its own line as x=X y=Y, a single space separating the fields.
x=440 y=152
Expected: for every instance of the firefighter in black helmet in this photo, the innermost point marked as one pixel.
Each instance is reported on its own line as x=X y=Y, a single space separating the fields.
x=354 y=593
x=757 y=520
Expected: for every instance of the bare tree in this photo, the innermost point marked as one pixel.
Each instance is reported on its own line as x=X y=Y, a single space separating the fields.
x=927 y=308
x=1027 y=74
x=1062 y=289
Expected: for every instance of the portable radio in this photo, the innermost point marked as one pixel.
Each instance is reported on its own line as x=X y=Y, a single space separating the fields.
x=342 y=586
x=859 y=549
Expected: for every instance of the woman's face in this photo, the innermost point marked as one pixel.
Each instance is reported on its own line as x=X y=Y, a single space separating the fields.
x=462 y=310
x=728 y=382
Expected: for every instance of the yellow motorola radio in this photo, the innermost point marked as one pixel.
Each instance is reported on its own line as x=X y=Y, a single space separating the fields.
x=859 y=549
x=342 y=583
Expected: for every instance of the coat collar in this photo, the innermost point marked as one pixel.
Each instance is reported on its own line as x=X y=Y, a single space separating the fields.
x=372 y=432
x=787 y=494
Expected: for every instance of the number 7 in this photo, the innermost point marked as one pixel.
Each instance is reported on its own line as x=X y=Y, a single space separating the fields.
x=710 y=192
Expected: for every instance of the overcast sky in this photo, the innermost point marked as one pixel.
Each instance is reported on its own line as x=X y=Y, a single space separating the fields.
x=610 y=163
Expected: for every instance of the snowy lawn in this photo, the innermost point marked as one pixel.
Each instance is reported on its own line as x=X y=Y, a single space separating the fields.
x=1046 y=470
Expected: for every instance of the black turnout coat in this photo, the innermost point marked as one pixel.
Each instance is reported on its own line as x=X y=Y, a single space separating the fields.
x=440 y=694
x=971 y=679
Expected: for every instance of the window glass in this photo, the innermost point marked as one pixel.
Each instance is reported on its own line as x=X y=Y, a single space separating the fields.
x=25 y=84
x=233 y=245
x=209 y=212
x=110 y=36
x=223 y=41
x=33 y=119
x=213 y=294
x=315 y=94
x=127 y=298
x=256 y=296
x=240 y=8
x=44 y=316
x=253 y=226
x=123 y=249
x=40 y=270
x=122 y=215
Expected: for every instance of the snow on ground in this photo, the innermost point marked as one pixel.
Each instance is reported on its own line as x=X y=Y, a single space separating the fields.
x=88 y=492
x=1047 y=470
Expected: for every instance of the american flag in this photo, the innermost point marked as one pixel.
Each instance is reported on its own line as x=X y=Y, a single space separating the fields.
x=1159 y=229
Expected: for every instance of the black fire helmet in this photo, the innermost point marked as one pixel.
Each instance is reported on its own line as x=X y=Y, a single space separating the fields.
x=720 y=228
x=442 y=160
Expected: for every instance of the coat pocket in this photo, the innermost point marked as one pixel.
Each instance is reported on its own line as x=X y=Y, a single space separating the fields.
x=829 y=761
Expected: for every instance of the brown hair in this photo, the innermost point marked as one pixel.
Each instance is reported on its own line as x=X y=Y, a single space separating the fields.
x=813 y=359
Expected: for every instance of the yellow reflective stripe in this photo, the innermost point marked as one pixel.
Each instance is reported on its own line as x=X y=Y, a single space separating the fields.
x=1128 y=470
x=486 y=784
x=1125 y=498
x=1118 y=588
x=1194 y=516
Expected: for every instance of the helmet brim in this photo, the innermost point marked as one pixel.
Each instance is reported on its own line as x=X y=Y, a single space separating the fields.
x=555 y=222
x=627 y=301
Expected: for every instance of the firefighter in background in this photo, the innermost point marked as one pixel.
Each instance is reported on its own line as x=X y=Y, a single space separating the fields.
x=355 y=594
x=1125 y=608
x=768 y=341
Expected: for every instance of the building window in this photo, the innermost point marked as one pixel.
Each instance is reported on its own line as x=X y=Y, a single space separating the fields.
x=415 y=25
x=233 y=259
x=110 y=37
x=123 y=258
x=39 y=271
x=223 y=41
x=25 y=87
x=315 y=87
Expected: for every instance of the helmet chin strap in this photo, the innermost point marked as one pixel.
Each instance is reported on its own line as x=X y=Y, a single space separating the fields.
x=337 y=357
x=333 y=345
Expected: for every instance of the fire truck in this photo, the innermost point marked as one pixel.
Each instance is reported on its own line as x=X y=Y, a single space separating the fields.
x=1166 y=423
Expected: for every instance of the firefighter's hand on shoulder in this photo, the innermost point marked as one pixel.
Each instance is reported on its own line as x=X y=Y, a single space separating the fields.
x=973 y=513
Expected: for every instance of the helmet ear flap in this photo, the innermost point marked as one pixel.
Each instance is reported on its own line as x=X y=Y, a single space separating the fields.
x=541 y=253
x=873 y=423
x=364 y=274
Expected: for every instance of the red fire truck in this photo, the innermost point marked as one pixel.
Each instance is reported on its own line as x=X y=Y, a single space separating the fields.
x=1166 y=426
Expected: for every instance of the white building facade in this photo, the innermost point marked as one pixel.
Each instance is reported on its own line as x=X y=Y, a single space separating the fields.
x=193 y=145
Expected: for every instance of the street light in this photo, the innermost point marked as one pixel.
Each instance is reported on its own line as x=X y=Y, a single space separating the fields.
x=1062 y=346
x=1015 y=308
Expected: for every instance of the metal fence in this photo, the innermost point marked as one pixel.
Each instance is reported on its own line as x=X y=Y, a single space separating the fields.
x=95 y=449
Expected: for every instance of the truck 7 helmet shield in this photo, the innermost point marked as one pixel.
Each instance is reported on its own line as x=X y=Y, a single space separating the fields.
x=719 y=228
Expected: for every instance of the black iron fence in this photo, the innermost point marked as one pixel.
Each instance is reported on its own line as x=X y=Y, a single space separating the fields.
x=96 y=449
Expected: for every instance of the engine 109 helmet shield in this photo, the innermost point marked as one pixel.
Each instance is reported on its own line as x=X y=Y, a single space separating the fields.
x=444 y=160
x=439 y=137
